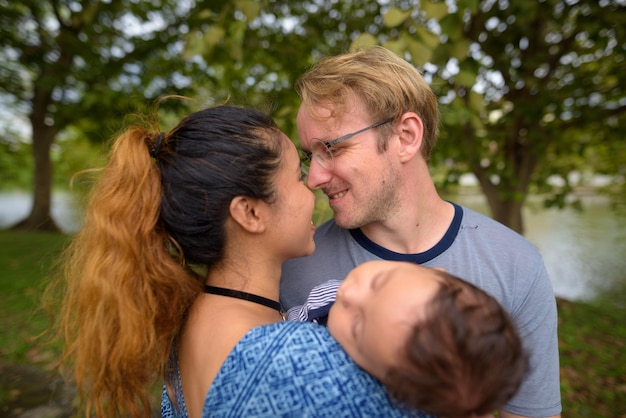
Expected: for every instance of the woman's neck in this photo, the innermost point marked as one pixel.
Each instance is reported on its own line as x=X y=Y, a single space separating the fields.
x=258 y=280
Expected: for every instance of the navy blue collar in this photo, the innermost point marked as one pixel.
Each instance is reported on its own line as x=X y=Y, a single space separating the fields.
x=419 y=258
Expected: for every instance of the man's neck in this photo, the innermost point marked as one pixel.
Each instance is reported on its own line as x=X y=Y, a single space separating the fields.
x=413 y=230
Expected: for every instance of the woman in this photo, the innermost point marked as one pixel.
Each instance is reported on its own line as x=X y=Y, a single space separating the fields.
x=221 y=190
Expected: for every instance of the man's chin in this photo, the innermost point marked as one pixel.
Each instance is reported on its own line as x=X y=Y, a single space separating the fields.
x=344 y=223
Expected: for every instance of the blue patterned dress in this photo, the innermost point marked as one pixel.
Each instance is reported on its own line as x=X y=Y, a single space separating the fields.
x=291 y=369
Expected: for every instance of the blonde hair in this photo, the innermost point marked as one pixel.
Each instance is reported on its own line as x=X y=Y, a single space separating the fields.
x=387 y=85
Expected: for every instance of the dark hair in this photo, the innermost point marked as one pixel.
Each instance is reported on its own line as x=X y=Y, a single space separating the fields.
x=465 y=358
x=208 y=159
x=124 y=297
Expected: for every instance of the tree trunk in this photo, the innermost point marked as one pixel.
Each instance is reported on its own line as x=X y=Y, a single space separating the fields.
x=508 y=212
x=40 y=218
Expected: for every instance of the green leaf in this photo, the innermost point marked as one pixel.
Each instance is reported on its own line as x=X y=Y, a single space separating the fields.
x=434 y=10
x=429 y=39
x=395 y=17
x=465 y=78
x=420 y=53
x=193 y=47
x=456 y=114
x=250 y=8
x=460 y=48
x=471 y=5
x=212 y=36
x=398 y=46
x=452 y=25
x=364 y=40
x=477 y=123
x=476 y=102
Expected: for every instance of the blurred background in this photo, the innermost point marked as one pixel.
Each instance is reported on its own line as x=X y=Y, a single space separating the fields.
x=533 y=110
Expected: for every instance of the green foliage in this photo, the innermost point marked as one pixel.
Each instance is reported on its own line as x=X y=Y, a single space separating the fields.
x=592 y=341
x=84 y=66
x=24 y=265
x=528 y=90
x=16 y=165
x=73 y=154
x=516 y=78
x=525 y=86
x=99 y=58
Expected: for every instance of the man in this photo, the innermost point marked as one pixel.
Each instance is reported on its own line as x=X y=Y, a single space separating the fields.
x=369 y=122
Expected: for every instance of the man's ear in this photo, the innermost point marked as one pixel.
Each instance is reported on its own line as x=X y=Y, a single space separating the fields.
x=248 y=213
x=410 y=131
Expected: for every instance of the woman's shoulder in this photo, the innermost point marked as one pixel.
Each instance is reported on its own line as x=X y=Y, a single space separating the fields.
x=294 y=369
x=284 y=329
x=297 y=343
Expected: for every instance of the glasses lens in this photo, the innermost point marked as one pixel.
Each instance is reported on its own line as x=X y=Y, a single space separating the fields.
x=322 y=154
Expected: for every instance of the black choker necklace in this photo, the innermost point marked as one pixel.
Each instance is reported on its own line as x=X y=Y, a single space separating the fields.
x=238 y=294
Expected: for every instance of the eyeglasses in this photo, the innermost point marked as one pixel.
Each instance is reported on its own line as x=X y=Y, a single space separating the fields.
x=322 y=150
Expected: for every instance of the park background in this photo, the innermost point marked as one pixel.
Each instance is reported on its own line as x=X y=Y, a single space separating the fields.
x=532 y=133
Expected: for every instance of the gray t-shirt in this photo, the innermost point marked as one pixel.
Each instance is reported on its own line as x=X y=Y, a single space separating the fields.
x=479 y=250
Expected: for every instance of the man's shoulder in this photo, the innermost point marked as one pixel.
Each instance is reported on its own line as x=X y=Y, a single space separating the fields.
x=333 y=258
x=489 y=229
x=329 y=230
x=330 y=241
x=471 y=216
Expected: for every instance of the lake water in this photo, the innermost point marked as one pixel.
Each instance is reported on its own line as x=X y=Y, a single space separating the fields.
x=584 y=252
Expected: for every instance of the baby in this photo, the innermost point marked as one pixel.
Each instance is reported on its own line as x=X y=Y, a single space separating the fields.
x=438 y=343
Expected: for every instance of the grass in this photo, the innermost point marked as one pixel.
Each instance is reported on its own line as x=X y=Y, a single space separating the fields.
x=593 y=359
x=592 y=336
x=25 y=260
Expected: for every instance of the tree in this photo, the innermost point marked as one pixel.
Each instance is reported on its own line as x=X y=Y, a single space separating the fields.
x=529 y=90
x=527 y=85
x=256 y=50
x=84 y=63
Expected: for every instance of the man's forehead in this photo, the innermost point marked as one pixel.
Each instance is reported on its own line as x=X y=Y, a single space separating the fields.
x=333 y=115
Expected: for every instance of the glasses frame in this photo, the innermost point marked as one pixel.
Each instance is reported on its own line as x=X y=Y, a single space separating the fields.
x=328 y=144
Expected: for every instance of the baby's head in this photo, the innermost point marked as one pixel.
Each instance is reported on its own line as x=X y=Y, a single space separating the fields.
x=437 y=342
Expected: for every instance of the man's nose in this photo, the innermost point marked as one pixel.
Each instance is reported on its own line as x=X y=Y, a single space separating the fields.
x=318 y=175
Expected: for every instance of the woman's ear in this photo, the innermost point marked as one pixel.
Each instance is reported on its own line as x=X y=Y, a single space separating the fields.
x=410 y=131
x=248 y=213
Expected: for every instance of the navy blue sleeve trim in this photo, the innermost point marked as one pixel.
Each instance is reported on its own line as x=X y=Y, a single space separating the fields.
x=320 y=315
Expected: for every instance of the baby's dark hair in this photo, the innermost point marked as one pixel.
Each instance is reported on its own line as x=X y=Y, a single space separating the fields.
x=464 y=358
